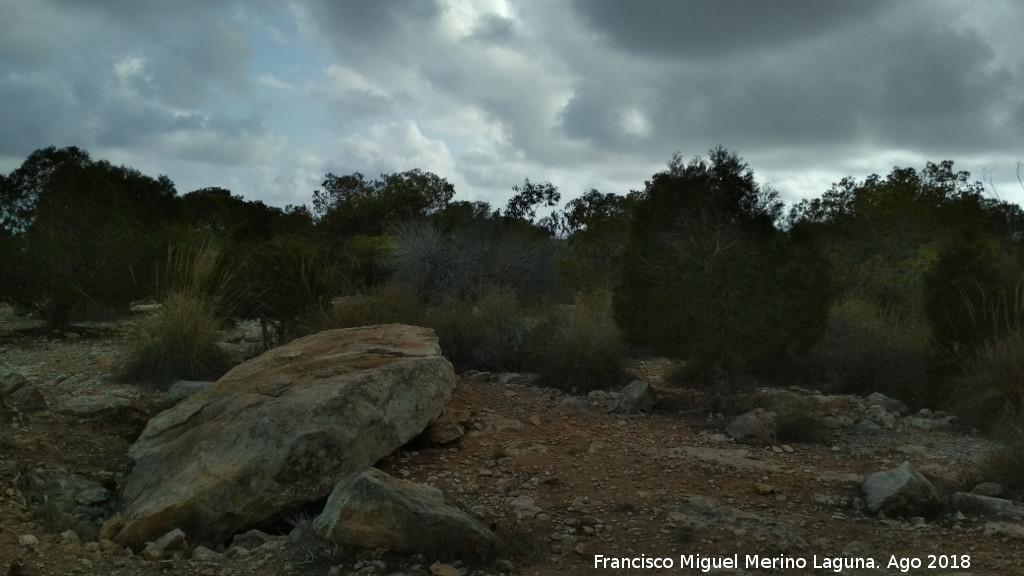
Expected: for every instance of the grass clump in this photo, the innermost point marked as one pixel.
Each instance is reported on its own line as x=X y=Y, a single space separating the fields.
x=183 y=341
x=990 y=390
x=580 y=348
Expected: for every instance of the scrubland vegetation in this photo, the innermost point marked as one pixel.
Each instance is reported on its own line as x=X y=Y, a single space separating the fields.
x=908 y=284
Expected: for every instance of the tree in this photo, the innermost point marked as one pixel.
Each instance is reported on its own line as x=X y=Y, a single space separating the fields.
x=522 y=207
x=78 y=239
x=351 y=205
x=708 y=275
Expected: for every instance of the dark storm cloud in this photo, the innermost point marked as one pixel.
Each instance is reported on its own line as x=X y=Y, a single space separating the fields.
x=705 y=28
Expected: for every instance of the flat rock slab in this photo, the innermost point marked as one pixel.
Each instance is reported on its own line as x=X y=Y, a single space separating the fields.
x=281 y=430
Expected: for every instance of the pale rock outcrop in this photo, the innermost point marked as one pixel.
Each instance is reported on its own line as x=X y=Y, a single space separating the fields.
x=281 y=430
x=379 y=511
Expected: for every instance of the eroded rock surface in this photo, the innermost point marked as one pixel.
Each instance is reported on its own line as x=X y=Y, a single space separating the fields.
x=281 y=430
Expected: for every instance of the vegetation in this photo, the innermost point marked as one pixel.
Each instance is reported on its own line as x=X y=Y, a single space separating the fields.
x=908 y=283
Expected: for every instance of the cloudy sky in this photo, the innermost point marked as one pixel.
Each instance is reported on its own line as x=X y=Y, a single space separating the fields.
x=265 y=97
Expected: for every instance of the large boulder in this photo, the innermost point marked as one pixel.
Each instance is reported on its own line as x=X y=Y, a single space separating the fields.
x=757 y=427
x=281 y=430
x=378 y=511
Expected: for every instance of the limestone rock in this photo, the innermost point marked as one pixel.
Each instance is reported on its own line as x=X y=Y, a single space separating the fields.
x=902 y=491
x=976 y=504
x=891 y=405
x=281 y=430
x=756 y=427
x=378 y=511
x=27 y=399
x=638 y=396
x=10 y=381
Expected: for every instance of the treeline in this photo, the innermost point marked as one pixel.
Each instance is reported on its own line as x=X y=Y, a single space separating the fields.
x=900 y=283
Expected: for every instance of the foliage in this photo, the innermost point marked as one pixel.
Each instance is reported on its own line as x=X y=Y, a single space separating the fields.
x=73 y=236
x=579 y=348
x=598 y=227
x=351 y=205
x=182 y=342
x=277 y=281
x=387 y=304
x=991 y=387
x=489 y=334
x=365 y=261
x=708 y=276
x=867 y=349
x=971 y=293
x=472 y=259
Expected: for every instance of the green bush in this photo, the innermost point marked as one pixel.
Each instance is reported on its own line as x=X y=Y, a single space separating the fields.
x=490 y=334
x=1006 y=464
x=709 y=277
x=386 y=305
x=866 y=349
x=182 y=343
x=990 y=391
x=580 y=348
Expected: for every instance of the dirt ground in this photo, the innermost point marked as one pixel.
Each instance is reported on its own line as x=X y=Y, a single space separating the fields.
x=654 y=487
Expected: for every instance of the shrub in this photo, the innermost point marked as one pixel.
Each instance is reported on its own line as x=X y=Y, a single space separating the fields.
x=990 y=390
x=866 y=349
x=488 y=335
x=385 y=305
x=580 y=348
x=1006 y=464
x=181 y=343
x=707 y=275
x=474 y=258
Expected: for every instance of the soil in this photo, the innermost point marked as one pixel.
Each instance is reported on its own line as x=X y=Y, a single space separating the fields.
x=666 y=484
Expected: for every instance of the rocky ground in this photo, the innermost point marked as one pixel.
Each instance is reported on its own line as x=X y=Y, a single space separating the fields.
x=570 y=487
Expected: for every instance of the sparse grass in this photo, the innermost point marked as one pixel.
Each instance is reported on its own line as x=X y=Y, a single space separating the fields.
x=580 y=349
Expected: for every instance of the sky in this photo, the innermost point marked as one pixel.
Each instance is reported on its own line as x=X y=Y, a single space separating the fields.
x=266 y=97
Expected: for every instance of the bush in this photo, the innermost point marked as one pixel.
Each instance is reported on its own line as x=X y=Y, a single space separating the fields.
x=1006 y=465
x=488 y=335
x=865 y=350
x=708 y=276
x=580 y=348
x=989 y=394
x=386 y=305
x=183 y=341
x=181 y=344
x=474 y=258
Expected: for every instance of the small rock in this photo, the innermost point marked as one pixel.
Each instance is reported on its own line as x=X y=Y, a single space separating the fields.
x=1004 y=529
x=203 y=554
x=764 y=489
x=92 y=496
x=757 y=427
x=173 y=540
x=524 y=507
x=152 y=552
x=638 y=396
x=438 y=569
x=993 y=489
x=70 y=538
